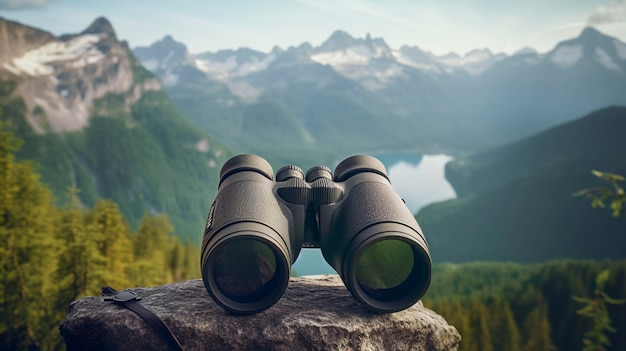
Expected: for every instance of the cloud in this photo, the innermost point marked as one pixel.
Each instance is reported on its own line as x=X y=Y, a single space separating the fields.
x=21 y=4
x=614 y=12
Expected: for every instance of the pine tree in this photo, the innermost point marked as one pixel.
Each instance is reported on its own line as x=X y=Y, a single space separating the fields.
x=537 y=328
x=27 y=251
x=506 y=335
x=480 y=321
x=81 y=270
x=151 y=251
x=596 y=337
x=116 y=246
x=457 y=316
x=191 y=262
x=176 y=259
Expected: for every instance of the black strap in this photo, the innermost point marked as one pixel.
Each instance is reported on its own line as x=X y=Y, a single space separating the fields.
x=130 y=300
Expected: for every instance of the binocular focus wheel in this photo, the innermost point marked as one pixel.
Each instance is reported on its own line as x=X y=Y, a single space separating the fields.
x=288 y=172
x=357 y=164
x=246 y=162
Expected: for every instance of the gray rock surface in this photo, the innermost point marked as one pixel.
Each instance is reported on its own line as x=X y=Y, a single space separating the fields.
x=315 y=313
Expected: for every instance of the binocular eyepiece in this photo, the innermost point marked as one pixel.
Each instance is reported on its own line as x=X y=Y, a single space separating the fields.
x=258 y=224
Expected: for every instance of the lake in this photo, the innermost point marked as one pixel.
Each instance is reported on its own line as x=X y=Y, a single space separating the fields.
x=419 y=179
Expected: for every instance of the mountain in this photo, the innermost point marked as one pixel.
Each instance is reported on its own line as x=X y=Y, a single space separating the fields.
x=94 y=118
x=359 y=94
x=515 y=202
x=474 y=62
x=526 y=93
x=282 y=104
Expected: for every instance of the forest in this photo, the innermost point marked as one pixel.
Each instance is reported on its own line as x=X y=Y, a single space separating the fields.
x=53 y=254
x=529 y=307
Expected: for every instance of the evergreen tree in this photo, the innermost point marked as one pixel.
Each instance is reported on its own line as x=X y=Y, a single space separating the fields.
x=503 y=327
x=596 y=308
x=537 y=329
x=151 y=251
x=459 y=318
x=27 y=252
x=176 y=259
x=81 y=270
x=191 y=262
x=480 y=321
x=116 y=246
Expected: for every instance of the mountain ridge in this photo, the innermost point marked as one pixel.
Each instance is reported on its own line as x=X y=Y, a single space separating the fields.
x=516 y=201
x=468 y=102
x=119 y=138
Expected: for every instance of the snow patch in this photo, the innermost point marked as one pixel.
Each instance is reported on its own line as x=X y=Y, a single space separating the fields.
x=170 y=80
x=231 y=68
x=150 y=65
x=421 y=66
x=166 y=61
x=566 y=56
x=620 y=48
x=606 y=60
x=218 y=69
x=81 y=50
x=472 y=57
x=532 y=60
x=254 y=65
x=358 y=55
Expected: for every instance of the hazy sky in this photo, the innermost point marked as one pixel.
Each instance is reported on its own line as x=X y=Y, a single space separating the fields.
x=440 y=26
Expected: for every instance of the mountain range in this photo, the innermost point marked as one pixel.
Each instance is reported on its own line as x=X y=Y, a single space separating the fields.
x=96 y=120
x=352 y=94
x=105 y=119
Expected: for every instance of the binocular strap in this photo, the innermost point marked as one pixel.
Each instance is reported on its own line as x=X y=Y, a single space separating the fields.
x=130 y=300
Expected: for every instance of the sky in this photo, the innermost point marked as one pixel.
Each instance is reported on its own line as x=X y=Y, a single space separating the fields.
x=435 y=25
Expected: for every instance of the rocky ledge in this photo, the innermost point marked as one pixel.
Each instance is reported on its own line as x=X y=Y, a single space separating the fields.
x=315 y=313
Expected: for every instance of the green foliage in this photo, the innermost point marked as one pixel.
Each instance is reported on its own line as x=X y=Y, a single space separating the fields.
x=614 y=192
x=508 y=306
x=144 y=156
x=50 y=256
x=28 y=253
x=596 y=309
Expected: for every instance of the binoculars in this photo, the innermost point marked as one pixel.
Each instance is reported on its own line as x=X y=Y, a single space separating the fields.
x=258 y=224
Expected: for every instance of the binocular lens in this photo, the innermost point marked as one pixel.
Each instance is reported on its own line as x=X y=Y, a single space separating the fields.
x=387 y=272
x=244 y=269
x=384 y=265
x=246 y=272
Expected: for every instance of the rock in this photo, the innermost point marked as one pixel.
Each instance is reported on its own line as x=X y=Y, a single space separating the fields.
x=315 y=313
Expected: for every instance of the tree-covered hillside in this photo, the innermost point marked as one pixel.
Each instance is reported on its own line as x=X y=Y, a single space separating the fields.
x=516 y=307
x=52 y=255
x=515 y=202
x=147 y=157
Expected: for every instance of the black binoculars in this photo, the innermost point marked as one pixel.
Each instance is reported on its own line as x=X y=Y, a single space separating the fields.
x=258 y=224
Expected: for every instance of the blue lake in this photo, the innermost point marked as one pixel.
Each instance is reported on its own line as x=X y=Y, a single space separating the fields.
x=419 y=179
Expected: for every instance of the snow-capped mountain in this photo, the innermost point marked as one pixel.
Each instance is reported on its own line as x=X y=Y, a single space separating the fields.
x=535 y=90
x=479 y=97
x=93 y=118
x=474 y=62
x=590 y=48
x=163 y=58
x=369 y=61
x=61 y=78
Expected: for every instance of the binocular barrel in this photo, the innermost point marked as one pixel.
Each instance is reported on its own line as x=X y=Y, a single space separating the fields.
x=257 y=226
